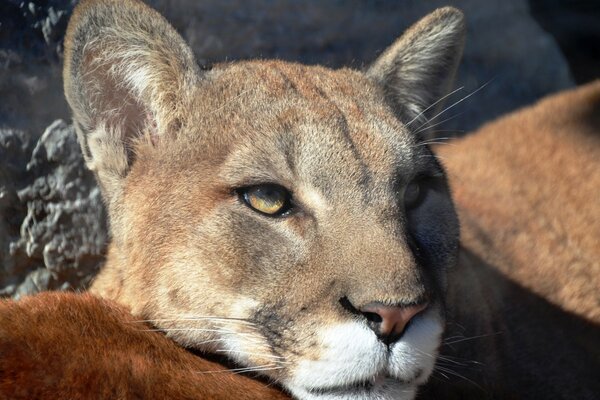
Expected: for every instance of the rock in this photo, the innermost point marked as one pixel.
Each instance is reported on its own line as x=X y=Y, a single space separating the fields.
x=54 y=231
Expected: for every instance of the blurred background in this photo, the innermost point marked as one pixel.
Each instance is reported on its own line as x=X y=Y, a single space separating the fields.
x=52 y=222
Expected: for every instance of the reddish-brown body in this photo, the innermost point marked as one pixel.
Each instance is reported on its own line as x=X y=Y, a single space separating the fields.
x=76 y=346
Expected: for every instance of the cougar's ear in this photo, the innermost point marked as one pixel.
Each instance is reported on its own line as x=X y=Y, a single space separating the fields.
x=127 y=75
x=418 y=69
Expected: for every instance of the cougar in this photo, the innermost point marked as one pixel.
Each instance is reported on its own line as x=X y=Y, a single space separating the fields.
x=290 y=218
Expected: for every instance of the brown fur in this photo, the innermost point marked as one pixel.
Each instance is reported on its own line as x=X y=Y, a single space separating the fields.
x=526 y=287
x=76 y=346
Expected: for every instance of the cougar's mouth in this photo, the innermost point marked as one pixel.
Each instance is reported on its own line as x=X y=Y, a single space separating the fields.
x=380 y=387
x=359 y=386
x=365 y=386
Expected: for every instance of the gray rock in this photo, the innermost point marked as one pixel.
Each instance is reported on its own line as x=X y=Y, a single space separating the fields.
x=54 y=230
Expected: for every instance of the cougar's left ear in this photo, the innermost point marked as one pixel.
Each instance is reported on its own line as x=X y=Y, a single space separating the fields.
x=418 y=69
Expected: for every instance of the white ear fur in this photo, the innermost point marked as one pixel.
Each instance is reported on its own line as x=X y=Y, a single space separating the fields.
x=127 y=73
x=419 y=67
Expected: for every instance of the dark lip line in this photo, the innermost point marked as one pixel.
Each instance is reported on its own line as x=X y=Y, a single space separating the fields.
x=365 y=385
x=362 y=386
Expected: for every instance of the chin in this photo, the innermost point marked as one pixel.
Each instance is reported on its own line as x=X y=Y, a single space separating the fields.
x=355 y=365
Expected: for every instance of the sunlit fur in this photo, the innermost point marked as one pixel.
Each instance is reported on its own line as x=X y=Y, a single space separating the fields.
x=172 y=146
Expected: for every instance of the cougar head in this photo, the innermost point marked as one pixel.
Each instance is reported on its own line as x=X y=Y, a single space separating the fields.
x=286 y=216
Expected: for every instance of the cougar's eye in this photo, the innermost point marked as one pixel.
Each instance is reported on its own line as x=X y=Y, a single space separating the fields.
x=414 y=193
x=268 y=199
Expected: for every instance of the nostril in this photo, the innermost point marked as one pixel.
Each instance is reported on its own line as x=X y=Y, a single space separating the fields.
x=390 y=321
x=347 y=305
x=373 y=317
x=387 y=321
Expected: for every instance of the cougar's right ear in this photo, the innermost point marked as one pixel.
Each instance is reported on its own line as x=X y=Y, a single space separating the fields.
x=127 y=75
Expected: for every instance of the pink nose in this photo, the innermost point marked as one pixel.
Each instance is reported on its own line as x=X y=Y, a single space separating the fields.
x=389 y=322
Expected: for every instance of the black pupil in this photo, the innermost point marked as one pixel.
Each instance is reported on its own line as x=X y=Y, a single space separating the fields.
x=269 y=193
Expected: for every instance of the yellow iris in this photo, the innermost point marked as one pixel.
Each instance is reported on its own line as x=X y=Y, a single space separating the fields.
x=268 y=199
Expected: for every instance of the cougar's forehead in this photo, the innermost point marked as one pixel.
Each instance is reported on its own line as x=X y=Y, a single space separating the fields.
x=288 y=121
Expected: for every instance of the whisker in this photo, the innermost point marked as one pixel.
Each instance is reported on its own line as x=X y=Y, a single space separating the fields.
x=420 y=129
x=433 y=105
x=442 y=358
x=434 y=143
x=191 y=330
x=451 y=372
x=242 y=370
x=465 y=362
x=440 y=138
x=209 y=318
x=455 y=337
x=253 y=354
x=462 y=327
x=209 y=341
x=470 y=338
x=457 y=102
x=441 y=373
x=258 y=370
x=442 y=361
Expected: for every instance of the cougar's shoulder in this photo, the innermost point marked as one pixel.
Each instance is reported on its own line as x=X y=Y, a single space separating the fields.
x=523 y=307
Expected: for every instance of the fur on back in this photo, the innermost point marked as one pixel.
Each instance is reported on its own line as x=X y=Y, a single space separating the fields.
x=538 y=219
x=77 y=346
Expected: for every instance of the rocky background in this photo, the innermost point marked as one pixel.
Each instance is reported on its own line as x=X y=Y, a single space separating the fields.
x=52 y=223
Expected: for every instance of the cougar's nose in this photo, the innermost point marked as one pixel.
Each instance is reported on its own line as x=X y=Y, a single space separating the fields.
x=389 y=322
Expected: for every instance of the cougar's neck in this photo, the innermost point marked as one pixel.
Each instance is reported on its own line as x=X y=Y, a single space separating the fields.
x=112 y=282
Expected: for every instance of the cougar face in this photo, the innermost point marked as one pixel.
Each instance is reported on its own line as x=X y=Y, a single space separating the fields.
x=281 y=215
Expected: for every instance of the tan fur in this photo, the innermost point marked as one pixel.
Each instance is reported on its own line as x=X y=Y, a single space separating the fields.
x=540 y=213
x=173 y=147
x=515 y=315
x=76 y=346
